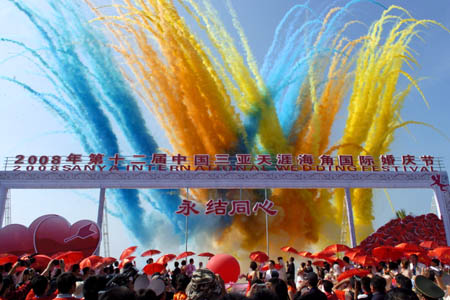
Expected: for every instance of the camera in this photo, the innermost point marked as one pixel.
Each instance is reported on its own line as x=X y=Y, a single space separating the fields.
x=26 y=262
x=124 y=278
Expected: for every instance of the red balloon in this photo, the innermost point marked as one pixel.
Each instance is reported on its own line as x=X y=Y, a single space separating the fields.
x=226 y=266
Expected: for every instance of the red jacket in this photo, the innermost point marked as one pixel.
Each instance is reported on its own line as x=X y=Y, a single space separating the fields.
x=32 y=296
x=20 y=293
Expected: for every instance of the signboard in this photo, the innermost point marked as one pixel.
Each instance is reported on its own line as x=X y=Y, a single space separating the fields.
x=223 y=162
x=219 y=207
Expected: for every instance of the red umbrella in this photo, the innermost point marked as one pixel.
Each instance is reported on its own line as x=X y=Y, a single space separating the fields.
x=333 y=249
x=304 y=254
x=259 y=256
x=206 y=254
x=165 y=258
x=354 y=252
x=333 y=260
x=289 y=249
x=98 y=265
x=276 y=266
x=40 y=262
x=365 y=260
x=153 y=268
x=70 y=257
x=109 y=260
x=185 y=254
x=125 y=261
x=386 y=253
x=150 y=252
x=353 y=272
x=90 y=261
x=442 y=253
x=7 y=258
x=408 y=247
x=127 y=252
x=320 y=255
x=429 y=244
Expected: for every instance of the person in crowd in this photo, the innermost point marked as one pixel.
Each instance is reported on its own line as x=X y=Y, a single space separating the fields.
x=146 y=295
x=256 y=285
x=328 y=289
x=66 y=284
x=87 y=272
x=233 y=296
x=75 y=270
x=9 y=292
x=270 y=270
x=200 y=265
x=264 y=294
x=149 y=261
x=290 y=273
x=182 y=282
x=175 y=273
x=300 y=274
x=275 y=274
x=404 y=268
x=313 y=293
x=427 y=289
x=389 y=272
x=398 y=294
x=282 y=270
x=415 y=266
x=92 y=286
x=435 y=267
x=118 y=293
x=336 y=270
x=309 y=267
x=403 y=289
x=378 y=287
x=251 y=276
x=190 y=268
x=279 y=287
x=41 y=287
x=348 y=265
x=365 y=289
x=183 y=267
x=292 y=289
x=357 y=287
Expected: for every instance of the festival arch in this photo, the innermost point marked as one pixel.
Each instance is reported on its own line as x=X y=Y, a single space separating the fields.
x=437 y=181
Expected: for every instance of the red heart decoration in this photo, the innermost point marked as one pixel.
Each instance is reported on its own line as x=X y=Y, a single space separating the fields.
x=410 y=229
x=54 y=234
x=16 y=239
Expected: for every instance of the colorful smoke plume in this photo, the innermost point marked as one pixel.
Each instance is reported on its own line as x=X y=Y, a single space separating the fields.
x=210 y=90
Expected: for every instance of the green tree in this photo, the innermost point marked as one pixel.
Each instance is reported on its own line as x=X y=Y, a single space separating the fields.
x=401 y=214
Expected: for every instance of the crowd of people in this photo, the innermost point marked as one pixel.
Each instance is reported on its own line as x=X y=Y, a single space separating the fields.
x=403 y=279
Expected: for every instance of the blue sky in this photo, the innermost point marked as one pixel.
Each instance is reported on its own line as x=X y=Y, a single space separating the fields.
x=26 y=127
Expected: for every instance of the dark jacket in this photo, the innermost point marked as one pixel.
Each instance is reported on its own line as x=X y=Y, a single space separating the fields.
x=313 y=294
x=378 y=296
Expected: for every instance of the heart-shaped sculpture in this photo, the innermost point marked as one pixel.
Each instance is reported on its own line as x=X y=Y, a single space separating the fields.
x=50 y=234
x=16 y=239
x=54 y=234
